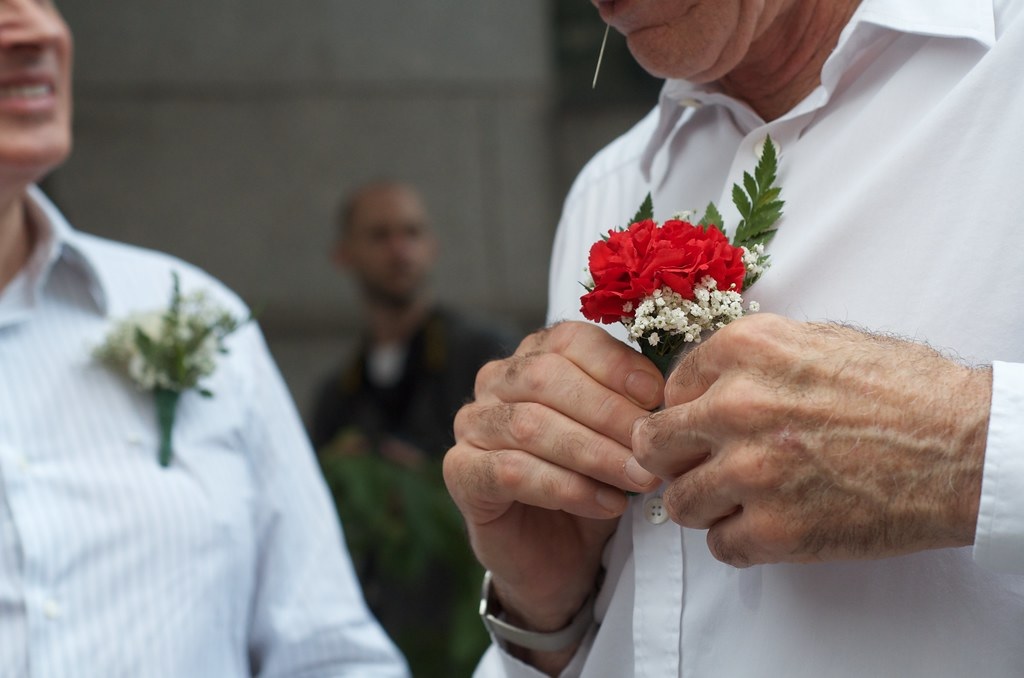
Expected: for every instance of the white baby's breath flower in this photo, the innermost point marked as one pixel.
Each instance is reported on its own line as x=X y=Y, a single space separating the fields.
x=754 y=261
x=665 y=314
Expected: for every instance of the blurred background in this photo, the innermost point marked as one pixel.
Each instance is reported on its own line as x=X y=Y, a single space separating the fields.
x=226 y=131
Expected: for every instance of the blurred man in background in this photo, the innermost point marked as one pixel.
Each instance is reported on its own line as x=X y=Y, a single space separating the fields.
x=383 y=421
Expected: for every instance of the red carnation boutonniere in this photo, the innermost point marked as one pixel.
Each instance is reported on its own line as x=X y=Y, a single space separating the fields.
x=671 y=284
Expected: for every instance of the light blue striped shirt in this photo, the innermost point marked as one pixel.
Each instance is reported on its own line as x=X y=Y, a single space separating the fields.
x=230 y=562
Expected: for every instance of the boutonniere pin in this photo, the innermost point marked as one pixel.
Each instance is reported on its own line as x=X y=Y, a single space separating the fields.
x=169 y=351
x=673 y=283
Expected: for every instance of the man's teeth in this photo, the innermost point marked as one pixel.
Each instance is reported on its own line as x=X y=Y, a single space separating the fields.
x=24 y=91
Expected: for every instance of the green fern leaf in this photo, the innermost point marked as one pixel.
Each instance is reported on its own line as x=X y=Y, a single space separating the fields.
x=712 y=217
x=759 y=204
x=645 y=212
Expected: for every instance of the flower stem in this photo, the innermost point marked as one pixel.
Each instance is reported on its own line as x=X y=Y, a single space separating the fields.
x=662 y=361
x=166 y=407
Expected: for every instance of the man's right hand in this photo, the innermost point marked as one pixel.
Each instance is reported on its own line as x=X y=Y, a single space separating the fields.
x=541 y=462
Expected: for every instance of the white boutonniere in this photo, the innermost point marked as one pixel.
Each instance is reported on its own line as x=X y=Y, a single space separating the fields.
x=169 y=351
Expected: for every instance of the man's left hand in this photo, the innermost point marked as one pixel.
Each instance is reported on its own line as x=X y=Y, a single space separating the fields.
x=801 y=442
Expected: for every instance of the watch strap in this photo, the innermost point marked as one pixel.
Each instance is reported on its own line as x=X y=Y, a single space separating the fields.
x=533 y=640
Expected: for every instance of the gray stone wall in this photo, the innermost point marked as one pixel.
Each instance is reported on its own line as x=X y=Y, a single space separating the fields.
x=225 y=131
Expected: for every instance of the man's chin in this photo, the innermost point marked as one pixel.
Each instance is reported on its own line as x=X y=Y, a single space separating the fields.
x=396 y=300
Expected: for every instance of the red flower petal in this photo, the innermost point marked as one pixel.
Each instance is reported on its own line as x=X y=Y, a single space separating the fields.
x=633 y=263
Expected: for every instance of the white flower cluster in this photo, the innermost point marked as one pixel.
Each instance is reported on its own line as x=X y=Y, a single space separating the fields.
x=754 y=261
x=665 y=313
x=169 y=350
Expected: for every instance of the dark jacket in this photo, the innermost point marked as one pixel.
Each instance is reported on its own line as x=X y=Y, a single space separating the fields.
x=440 y=371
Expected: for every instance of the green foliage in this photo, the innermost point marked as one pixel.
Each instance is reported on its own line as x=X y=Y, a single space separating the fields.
x=758 y=201
x=645 y=211
x=404 y=519
x=401 y=513
x=147 y=347
x=187 y=325
x=712 y=217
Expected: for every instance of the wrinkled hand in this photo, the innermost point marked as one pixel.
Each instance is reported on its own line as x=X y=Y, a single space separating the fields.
x=541 y=461
x=804 y=442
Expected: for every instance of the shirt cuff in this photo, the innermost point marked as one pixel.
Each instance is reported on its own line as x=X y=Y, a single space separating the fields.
x=497 y=663
x=999 y=535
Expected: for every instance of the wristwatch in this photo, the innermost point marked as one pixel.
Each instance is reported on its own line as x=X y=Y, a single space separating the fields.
x=491 y=614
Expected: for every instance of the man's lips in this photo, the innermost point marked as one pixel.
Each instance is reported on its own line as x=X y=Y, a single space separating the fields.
x=606 y=8
x=625 y=16
x=630 y=16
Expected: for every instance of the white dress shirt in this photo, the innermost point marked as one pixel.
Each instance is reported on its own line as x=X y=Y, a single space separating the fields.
x=902 y=174
x=229 y=562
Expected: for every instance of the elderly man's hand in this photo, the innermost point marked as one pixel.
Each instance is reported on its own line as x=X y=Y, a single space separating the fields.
x=802 y=442
x=541 y=463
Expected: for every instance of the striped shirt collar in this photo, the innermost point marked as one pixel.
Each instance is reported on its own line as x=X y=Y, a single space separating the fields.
x=57 y=243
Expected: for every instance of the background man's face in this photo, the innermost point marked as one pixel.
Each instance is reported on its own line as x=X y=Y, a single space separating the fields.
x=389 y=246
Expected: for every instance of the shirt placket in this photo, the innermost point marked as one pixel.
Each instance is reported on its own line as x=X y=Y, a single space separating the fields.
x=657 y=547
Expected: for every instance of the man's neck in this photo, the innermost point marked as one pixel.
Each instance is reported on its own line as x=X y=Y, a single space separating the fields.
x=391 y=325
x=15 y=238
x=784 y=64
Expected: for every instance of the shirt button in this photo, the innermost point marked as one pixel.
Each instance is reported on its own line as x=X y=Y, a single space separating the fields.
x=51 y=609
x=759 y=148
x=654 y=511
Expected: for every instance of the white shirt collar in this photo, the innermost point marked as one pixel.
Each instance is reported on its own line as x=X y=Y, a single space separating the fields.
x=955 y=19
x=971 y=19
x=56 y=243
